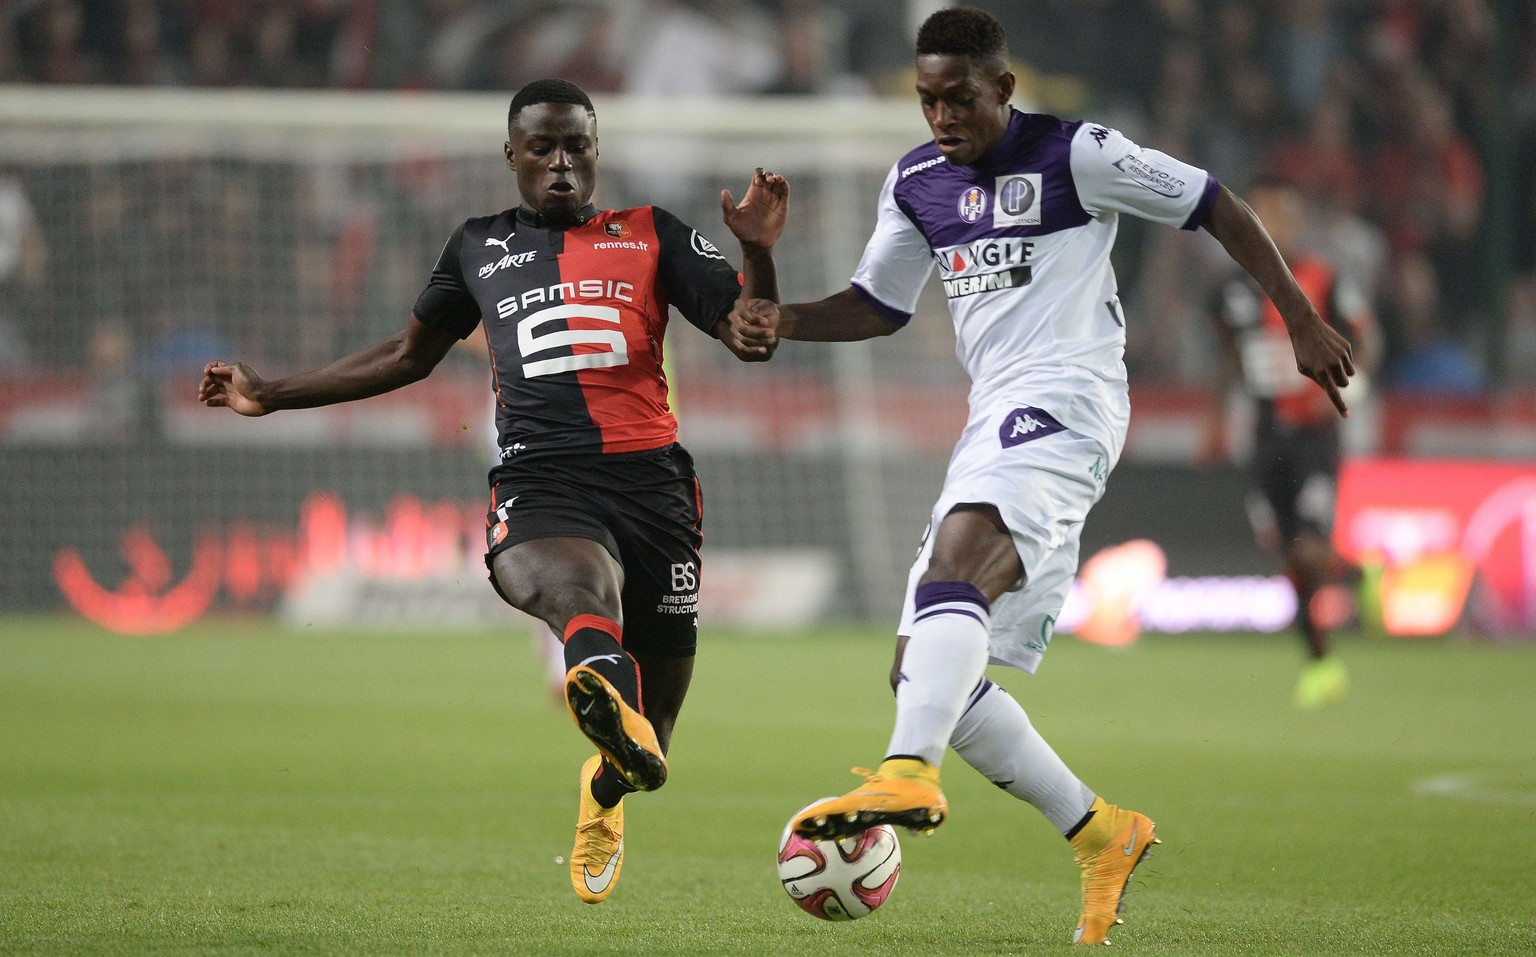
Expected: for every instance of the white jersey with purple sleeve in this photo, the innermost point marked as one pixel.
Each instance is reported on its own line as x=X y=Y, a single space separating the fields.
x=1022 y=242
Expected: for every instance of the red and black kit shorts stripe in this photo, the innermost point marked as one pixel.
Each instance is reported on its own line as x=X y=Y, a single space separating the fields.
x=645 y=508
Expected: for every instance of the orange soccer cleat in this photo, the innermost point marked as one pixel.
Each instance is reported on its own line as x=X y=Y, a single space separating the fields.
x=1108 y=849
x=621 y=733
x=904 y=792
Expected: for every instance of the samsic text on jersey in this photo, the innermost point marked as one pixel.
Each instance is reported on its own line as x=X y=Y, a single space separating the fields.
x=575 y=319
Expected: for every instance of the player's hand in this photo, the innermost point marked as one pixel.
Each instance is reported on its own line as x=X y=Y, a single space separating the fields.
x=758 y=220
x=1323 y=356
x=751 y=330
x=226 y=386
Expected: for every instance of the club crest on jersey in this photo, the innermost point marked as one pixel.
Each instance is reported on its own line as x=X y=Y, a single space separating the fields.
x=1018 y=200
x=973 y=203
x=1025 y=424
x=618 y=229
x=704 y=247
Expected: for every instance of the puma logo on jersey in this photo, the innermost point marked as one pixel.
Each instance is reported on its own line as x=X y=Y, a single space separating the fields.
x=501 y=242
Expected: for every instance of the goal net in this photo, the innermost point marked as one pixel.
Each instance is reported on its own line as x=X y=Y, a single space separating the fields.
x=142 y=233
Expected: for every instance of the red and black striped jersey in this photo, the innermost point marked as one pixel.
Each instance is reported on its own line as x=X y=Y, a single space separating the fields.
x=575 y=319
x=1247 y=319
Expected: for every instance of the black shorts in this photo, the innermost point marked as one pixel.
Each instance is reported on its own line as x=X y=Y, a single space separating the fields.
x=1296 y=483
x=644 y=507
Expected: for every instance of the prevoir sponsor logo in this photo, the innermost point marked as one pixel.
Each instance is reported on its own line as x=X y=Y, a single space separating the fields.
x=1147 y=176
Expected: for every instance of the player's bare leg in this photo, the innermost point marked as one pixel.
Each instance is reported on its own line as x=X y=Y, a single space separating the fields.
x=574 y=586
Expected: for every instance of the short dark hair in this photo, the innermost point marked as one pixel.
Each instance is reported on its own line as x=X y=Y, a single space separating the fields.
x=549 y=91
x=963 y=31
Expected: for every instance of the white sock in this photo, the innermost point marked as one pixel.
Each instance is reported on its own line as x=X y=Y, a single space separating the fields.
x=945 y=655
x=995 y=737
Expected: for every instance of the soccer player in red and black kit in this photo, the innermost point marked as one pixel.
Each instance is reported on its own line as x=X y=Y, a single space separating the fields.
x=594 y=520
x=1296 y=434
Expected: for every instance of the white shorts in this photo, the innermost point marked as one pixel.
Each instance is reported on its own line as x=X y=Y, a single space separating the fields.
x=1043 y=478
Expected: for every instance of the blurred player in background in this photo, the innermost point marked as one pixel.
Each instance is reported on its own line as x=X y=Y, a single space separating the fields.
x=1019 y=211
x=594 y=522
x=1296 y=433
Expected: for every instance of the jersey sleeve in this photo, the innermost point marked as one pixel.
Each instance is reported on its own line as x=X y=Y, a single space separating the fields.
x=897 y=259
x=694 y=274
x=1114 y=175
x=446 y=303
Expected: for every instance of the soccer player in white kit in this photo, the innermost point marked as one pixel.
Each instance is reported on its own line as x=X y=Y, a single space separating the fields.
x=1019 y=212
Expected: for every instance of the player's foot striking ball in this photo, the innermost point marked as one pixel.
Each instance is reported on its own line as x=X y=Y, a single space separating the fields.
x=620 y=732
x=598 y=855
x=904 y=792
x=1108 y=848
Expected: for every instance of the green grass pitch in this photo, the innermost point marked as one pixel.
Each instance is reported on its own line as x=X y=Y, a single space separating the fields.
x=238 y=790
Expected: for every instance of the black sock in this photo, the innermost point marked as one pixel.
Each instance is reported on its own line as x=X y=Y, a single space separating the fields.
x=593 y=641
x=608 y=785
x=1080 y=825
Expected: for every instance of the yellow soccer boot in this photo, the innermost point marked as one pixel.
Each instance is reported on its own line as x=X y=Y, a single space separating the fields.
x=1108 y=848
x=904 y=792
x=598 y=855
x=621 y=733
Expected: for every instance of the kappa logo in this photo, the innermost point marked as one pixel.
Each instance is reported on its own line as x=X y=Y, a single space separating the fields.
x=704 y=247
x=1025 y=424
x=925 y=164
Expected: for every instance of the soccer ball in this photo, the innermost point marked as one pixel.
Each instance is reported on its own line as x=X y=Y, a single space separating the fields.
x=840 y=880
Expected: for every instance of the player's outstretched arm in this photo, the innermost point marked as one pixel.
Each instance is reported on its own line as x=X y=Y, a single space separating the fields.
x=1322 y=354
x=759 y=324
x=406 y=357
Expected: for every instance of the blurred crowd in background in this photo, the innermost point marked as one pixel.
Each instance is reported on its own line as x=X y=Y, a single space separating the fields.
x=1409 y=124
